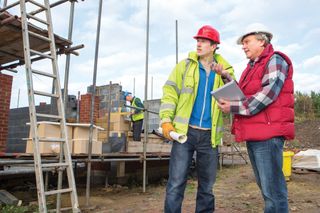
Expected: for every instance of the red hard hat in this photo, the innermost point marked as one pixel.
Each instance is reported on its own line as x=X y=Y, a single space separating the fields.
x=208 y=32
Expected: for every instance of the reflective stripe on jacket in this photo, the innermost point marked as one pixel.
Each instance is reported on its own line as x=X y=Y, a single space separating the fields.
x=179 y=93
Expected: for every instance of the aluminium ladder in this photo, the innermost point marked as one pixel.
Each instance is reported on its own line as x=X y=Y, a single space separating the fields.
x=65 y=162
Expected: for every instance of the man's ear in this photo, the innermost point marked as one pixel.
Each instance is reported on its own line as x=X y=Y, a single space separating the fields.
x=214 y=46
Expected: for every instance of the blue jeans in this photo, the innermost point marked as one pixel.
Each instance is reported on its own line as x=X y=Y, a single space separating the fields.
x=206 y=167
x=266 y=160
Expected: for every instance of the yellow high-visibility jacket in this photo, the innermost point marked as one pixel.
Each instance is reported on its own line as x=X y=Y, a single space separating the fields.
x=179 y=93
x=138 y=114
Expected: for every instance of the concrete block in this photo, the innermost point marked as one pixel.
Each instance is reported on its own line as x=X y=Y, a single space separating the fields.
x=8 y=198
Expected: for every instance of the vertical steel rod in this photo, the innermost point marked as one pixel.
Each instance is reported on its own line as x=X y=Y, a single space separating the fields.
x=67 y=68
x=177 y=60
x=92 y=104
x=18 y=98
x=151 y=87
x=145 y=141
x=109 y=111
x=134 y=87
x=78 y=107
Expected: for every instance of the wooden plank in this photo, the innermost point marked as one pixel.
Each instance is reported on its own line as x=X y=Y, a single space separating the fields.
x=134 y=146
x=121 y=167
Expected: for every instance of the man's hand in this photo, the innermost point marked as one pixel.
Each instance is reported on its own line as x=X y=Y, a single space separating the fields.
x=218 y=68
x=166 y=129
x=224 y=105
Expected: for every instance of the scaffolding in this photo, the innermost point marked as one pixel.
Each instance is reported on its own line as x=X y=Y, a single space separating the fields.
x=12 y=56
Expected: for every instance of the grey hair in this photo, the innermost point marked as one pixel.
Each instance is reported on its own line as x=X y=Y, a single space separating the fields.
x=262 y=37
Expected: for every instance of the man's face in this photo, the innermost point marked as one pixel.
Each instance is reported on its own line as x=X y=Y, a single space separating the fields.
x=204 y=47
x=252 y=47
x=128 y=98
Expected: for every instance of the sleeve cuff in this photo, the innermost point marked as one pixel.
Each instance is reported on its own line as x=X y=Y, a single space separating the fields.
x=165 y=120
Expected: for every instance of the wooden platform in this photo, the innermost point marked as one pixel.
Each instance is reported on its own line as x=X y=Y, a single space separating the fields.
x=11 y=42
x=155 y=144
x=136 y=146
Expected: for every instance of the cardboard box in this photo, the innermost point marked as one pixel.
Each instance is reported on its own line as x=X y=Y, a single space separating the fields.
x=47 y=147
x=81 y=146
x=119 y=121
x=81 y=131
x=49 y=130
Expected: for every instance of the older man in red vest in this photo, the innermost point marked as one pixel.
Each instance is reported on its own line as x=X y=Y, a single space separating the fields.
x=265 y=118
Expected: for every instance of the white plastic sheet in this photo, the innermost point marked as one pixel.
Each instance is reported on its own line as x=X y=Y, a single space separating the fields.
x=308 y=159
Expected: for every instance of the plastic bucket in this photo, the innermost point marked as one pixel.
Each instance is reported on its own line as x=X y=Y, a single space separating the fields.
x=286 y=167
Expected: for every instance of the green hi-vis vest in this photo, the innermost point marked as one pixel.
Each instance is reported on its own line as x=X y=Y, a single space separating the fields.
x=138 y=116
x=180 y=91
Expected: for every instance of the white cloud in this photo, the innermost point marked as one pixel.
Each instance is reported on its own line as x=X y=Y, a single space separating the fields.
x=306 y=82
x=123 y=32
x=312 y=65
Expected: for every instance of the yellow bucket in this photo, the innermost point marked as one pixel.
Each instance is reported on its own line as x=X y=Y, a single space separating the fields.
x=286 y=167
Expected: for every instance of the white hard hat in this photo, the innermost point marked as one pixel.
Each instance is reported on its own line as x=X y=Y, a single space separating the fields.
x=254 y=29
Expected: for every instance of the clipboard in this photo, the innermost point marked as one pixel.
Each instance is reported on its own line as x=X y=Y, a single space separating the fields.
x=230 y=92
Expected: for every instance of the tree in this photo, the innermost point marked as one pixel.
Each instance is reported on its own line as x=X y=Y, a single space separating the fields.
x=303 y=105
x=316 y=103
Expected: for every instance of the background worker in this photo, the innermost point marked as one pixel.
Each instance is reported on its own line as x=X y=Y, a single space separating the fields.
x=188 y=108
x=137 y=115
x=266 y=117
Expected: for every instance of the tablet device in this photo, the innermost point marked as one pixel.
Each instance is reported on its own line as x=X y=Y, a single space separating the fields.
x=230 y=91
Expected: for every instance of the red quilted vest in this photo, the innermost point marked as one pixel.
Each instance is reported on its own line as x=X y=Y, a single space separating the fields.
x=277 y=119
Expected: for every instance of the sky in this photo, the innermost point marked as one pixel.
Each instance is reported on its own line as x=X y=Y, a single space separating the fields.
x=122 y=49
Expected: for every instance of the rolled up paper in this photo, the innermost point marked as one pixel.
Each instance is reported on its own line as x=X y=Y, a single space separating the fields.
x=176 y=136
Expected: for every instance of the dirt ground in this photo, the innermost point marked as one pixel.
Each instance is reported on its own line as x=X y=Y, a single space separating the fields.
x=235 y=191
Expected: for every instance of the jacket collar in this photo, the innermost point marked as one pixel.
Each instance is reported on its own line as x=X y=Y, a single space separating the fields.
x=265 y=53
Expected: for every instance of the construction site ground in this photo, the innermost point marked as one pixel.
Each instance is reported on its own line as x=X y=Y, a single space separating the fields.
x=235 y=191
x=235 y=188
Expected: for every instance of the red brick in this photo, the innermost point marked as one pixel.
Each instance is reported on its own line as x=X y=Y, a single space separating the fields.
x=5 y=96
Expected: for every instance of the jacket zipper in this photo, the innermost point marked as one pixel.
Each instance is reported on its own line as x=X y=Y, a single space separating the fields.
x=204 y=99
x=267 y=118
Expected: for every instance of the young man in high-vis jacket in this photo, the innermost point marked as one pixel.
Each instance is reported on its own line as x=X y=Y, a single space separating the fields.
x=265 y=118
x=187 y=107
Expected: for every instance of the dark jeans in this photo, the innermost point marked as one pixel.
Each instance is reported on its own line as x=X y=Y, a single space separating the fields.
x=266 y=160
x=137 y=128
x=206 y=166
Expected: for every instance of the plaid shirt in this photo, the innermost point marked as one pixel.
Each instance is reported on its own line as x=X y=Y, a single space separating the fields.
x=272 y=83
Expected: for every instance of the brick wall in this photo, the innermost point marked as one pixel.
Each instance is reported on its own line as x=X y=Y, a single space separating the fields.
x=85 y=107
x=5 y=96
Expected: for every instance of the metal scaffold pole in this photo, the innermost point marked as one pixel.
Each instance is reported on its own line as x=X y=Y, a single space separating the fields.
x=177 y=59
x=92 y=104
x=145 y=141
x=67 y=68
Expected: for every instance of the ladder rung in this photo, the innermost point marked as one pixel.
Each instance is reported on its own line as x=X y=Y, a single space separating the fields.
x=51 y=139
x=48 y=116
x=9 y=6
x=37 y=4
x=41 y=54
x=39 y=36
x=53 y=192
x=61 y=209
x=37 y=19
x=50 y=165
x=45 y=94
x=43 y=73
